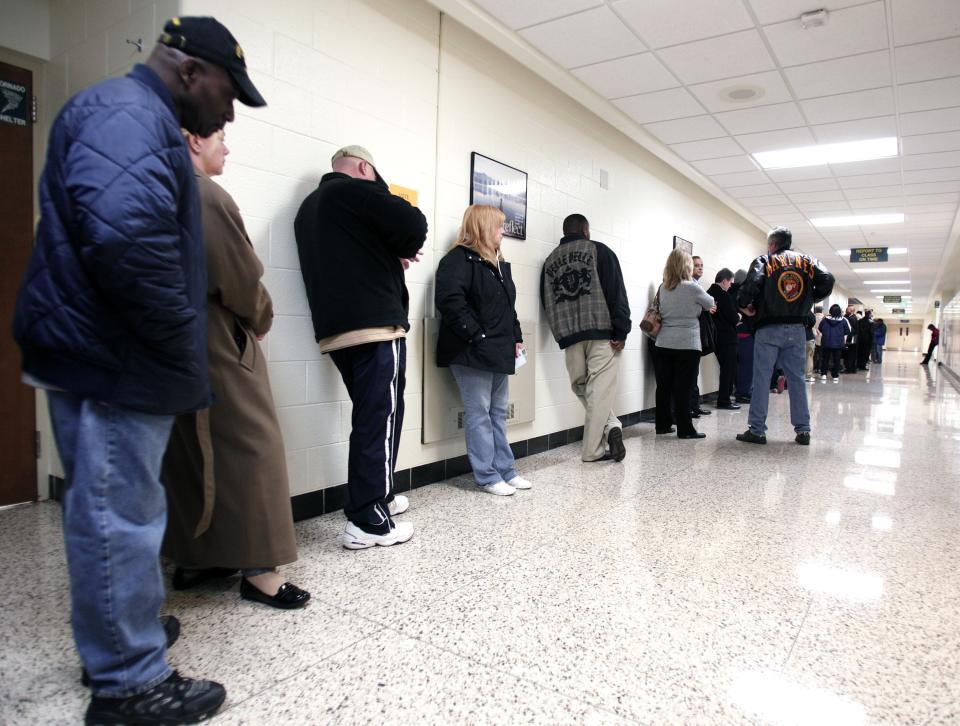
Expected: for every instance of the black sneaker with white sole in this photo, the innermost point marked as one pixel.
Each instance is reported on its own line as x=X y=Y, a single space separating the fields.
x=177 y=700
x=803 y=438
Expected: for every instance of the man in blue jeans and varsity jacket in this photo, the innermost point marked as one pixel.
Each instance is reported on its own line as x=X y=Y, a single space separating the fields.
x=355 y=239
x=780 y=288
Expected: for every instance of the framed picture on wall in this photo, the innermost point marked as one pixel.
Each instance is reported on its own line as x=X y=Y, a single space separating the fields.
x=685 y=245
x=503 y=187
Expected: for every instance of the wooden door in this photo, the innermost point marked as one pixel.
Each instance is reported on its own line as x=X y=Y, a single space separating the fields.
x=18 y=463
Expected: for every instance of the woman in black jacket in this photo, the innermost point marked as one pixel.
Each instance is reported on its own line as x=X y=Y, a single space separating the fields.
x=480 y=341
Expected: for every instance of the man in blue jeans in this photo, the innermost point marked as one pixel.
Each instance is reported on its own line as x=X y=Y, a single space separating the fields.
x=111 y=321
x=778 y=293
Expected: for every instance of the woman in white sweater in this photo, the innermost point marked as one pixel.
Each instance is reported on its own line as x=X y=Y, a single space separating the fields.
x=678 y=343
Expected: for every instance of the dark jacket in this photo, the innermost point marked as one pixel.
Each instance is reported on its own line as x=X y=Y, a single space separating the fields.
x=853 y=323
x=808 y=324
x=865 y=332
x=880 y=334
x=726 y=318
x=746 y=325
x=782 y=287
x=833 y=331
x=479 y=326
x=113 y=305
x=351 y=235
x=574 y=313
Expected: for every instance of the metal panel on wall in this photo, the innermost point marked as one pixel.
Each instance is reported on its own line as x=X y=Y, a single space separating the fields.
x=442 y=408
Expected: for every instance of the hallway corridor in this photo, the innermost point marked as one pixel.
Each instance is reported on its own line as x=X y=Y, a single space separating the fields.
x=708 y=582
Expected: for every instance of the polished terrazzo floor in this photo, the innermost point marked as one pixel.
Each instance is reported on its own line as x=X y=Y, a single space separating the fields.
x=698 y=582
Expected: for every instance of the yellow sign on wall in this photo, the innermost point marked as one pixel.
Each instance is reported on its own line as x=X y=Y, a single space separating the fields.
x=409 y=194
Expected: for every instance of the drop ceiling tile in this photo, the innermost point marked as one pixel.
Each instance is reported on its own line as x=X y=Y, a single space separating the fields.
x=931 y=161
x=948 y=198
x=928 y=122
x=728 y=56
x=600 y=35
x=774 y=11
x=816 y=208
x=776 y=210
x=850 y=31
x=761 y=118
x=849 y=106
x=765 y=200
x=801 y=174
x=809 y=185
x=521 y=14
x=660 y=24
x=697 y=150
x=864 y=128
x=660 y=106
x=857 y=73
x=931 y=188
x=867 y=193
x=830 y=195
x=739 y=179
x=725 y=165
x=769 y=86
x=916 y=21
x=869 y=180
x=628 y=76
x=929 y=95
x=875 y=202
x=931 y=143
x=927 y=60
x=920 y=176
x=771 y=140
x=695 y=128
x=752 y=190
x=933 y=213
x=874 y=166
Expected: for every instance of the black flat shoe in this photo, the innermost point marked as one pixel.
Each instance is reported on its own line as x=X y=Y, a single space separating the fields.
x=694 y=414
x=665 y=431
x=185 y=579
x=743 y=399
x=728 y=406
x=751 y=438
x=694 y=435
x=704 y=412
x=289 y=596
x=171 y=627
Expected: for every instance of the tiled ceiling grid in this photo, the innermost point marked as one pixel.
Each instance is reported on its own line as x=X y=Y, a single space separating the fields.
x=876 y=68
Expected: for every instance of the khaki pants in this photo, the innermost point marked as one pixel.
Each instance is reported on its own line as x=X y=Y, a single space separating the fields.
x=593 y=367
x=808 y=368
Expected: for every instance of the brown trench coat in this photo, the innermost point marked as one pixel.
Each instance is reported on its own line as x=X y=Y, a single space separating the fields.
x=225 y=467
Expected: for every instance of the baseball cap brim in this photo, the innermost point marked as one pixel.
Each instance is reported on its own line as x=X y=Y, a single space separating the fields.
x=247 y=93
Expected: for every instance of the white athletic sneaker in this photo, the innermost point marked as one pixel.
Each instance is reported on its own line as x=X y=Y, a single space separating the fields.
x=518 y=482
x=354 y=538
x=823 y=377
x=836 y=380
x=399 y=505
x=501 y=488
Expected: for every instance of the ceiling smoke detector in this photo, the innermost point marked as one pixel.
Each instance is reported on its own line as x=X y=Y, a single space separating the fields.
x=742 y=94
x=814 y=19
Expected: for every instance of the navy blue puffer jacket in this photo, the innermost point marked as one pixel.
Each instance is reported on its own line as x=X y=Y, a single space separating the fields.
x=113 y=305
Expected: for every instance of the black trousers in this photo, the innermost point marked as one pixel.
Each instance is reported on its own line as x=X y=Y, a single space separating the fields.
x=374 y=375
x=727 y=358
x=830 y=360
x=677 y=375
x=926 y=358
x=694 y=393
x=863 y=353
x=850 y=358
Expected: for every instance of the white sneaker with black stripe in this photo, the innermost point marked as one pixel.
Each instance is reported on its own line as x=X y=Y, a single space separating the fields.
x=399 y=505
x=354 y=538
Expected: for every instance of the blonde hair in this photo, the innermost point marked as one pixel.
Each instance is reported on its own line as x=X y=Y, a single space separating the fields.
x=480 y=224
x=679 y=267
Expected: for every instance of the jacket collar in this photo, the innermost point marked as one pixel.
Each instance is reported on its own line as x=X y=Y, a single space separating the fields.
x=331 y=175
x=571 y=238
x=148 y=77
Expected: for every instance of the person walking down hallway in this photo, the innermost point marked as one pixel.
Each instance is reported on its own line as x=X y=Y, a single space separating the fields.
x=934 y=342
x=682 y=301
x=355 y=240
x=833 y=331
x=586 y=306
x=864 y=340
x=480 y=340
x=879 y=340
x=111 y=320
x=225 y=470
x=780 y=288
x=725 y=319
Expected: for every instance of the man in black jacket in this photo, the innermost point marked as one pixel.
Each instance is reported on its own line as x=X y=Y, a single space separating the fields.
x=725 y=320
x=864 y=340
x=355 y=239
x=850 y=349
x=780 y=288
x=582 y=291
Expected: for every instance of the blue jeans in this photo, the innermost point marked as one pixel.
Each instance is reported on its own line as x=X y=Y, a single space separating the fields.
x=485 y=396
x=877 y=352
x=785 y=347
x=745 y=366
x=114 y=515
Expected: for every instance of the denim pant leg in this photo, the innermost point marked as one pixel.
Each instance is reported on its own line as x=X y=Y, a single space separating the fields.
x=503 y=461
x=765 y=352
x=476 y=391
x=792 y=359
x=114 y=516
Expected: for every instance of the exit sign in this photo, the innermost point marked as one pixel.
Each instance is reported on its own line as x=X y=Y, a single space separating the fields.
x=892 y=298
x=899 y=311
x=868 y=254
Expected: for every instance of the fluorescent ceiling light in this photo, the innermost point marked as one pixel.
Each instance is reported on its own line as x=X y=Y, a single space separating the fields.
x=868 y=283
x=880 y=268
x=890 y=251
x=891 y=292
x=821 y=154
x=858 y=220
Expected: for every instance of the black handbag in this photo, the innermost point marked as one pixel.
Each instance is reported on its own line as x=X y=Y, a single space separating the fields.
x=708 y=334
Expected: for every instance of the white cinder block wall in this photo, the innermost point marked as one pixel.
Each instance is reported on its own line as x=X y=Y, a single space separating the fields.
x=421 y=93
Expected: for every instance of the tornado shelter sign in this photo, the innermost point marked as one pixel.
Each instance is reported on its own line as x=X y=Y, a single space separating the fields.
x=13 y=103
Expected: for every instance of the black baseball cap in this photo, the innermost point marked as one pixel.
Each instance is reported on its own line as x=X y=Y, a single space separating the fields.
x=207 y=38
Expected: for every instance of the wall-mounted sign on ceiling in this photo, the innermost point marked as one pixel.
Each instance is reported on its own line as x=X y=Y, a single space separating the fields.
x=892 y=298
x=899 y=311
x=905 y=321
x=868 y=254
